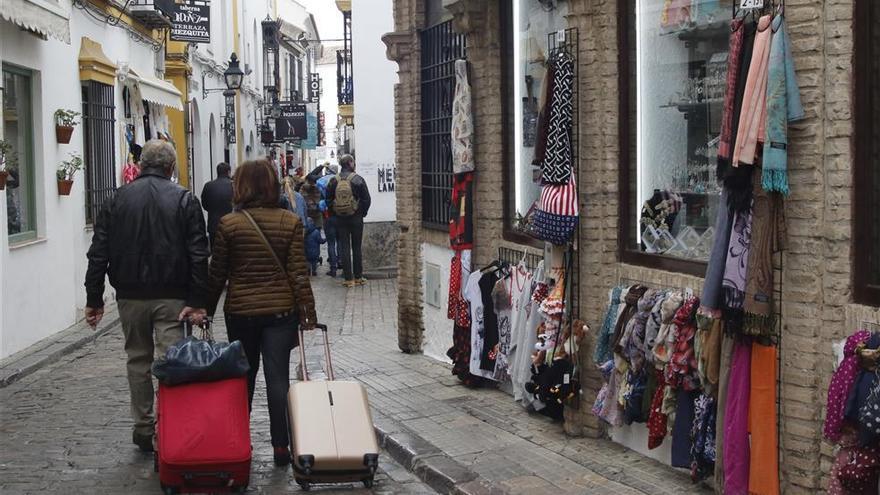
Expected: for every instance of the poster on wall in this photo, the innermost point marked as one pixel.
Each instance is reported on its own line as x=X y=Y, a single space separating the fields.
x=191 y=21
x=292 y=123
x=385 y=177
x=311 y=141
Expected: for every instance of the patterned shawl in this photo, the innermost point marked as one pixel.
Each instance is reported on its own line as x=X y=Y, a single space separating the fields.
x=734 y=61
x=767 y=234
x=735 y=271
x=603 y=351
x=841 y=383
x=557 y=165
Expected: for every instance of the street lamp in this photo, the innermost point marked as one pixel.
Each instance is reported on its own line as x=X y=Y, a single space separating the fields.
x=232 y=76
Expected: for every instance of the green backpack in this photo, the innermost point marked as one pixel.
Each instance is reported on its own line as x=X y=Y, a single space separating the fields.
x=345 y=204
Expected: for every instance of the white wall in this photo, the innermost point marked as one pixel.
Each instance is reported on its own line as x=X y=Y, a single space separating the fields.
x=330 y=108
x=438 y=328
x=374 y=80
x=42 y=281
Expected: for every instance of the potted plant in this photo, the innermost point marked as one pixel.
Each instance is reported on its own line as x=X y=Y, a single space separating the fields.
x=66 y=170
x=65 y=121
x=7 y=162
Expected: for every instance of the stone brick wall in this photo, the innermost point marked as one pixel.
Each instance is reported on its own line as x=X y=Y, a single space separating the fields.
x=817 y=302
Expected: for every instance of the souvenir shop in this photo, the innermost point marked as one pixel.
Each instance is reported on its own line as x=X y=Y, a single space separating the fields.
x=514 y=320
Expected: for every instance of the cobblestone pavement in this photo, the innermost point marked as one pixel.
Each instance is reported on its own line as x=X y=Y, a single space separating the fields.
x=65 y=428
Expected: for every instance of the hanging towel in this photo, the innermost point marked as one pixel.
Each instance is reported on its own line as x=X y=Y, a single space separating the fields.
x=557 y=164
x=764 y=459
x=462 y=132
x=753 y=118
x=734 y=62
x=736 y=422
x=783 y=106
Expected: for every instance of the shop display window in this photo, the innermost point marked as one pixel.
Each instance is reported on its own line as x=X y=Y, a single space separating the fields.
x=528 y=24
x=18 y=154
x=866 y=106
x=673 y=76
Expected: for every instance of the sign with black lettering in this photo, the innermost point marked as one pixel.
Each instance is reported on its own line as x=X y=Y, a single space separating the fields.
x=314 y=87
x=292 y=123
x=385 y=174
x=191 y=21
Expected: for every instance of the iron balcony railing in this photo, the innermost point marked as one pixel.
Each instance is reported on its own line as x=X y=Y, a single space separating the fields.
x=344 y=78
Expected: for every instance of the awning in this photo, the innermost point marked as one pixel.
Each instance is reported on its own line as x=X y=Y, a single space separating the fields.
x=161 y=93
x=45 y=21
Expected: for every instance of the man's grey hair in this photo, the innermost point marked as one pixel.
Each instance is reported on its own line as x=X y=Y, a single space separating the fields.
x=334 y=169
x=158 y=154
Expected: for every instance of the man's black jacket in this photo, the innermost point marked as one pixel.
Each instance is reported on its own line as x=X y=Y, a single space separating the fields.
x=217 y=201
x=150 y=238
x=358 y=188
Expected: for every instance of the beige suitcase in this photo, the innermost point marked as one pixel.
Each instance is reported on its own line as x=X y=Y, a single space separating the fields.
x=331 y=428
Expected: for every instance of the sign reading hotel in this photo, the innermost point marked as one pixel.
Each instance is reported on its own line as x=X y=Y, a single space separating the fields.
x=191 y=21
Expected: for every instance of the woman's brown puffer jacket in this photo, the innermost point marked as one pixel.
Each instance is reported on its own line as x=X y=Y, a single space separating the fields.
x=256 y=283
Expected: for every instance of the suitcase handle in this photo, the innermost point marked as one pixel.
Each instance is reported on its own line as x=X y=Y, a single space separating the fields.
x=205 y=326
x=302 y=352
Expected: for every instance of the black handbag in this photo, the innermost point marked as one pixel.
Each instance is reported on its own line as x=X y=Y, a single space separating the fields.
x=197 y=360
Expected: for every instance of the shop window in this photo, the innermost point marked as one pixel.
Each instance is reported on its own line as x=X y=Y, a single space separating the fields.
x=19 y=158
x=100 y=149
x=867 y=160
x=672 y=79
x=526 y=25
x=440 y=47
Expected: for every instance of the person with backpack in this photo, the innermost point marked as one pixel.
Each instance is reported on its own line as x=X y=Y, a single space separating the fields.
x=330 y=230
x=349 y=200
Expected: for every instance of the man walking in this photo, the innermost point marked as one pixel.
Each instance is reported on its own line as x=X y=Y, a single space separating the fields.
x=217 y=198
x=330 y=227
x=349 y=200
x=150 y=239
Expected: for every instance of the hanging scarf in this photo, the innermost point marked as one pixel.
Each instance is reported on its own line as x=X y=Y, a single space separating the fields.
x=682 y=369
x=462 y=131
x=663 y=346
x=633 y=341
x=544 y=115
x=652 y=328
x=783 y=106
x=735 y=270
x=631 y=300
x=711 y=299
x=766 y=240
x=734 y=61
x=657 y=421
x=753 y=118
x=603 y=351
x=738 y=179
x=557 y=165
x=840 y=386
x=703 y=435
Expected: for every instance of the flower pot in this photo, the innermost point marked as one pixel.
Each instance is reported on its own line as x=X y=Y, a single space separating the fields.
x=63 y=133
x=64 y=187
x=3 y=176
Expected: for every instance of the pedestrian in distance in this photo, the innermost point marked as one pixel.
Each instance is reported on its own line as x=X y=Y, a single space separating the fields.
x=217 y=198
x=150 y=239
x=349 y=200
x=259 y=252
x=330 y=221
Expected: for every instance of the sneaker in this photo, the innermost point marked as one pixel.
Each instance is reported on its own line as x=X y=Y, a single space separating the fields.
x=144 y=442
x=360 y=281
x=348 y=284
x=282 y=456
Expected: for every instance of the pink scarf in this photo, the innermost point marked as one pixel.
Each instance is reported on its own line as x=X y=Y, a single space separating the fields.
x=753 y=118
x=841 y=384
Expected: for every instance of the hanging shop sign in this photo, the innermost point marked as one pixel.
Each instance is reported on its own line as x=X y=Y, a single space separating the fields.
x=229 y=120
x=322 y=136
x=292 y=123
x=751 y=4
x=314 y=87
x=191 y=21
x=311 y=141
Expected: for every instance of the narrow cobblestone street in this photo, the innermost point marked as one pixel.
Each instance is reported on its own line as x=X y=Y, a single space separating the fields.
x=65 y=428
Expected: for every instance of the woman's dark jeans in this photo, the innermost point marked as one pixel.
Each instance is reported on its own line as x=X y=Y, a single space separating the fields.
x=273 y=337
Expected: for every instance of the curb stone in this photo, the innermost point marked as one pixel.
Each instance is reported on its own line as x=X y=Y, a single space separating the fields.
x=53 y=347
x=439 y=471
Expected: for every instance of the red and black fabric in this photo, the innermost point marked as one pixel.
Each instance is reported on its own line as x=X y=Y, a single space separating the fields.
x=457 y=307
x=557 y=216
x=461 y=214
x=657 y=419
x=460 y=354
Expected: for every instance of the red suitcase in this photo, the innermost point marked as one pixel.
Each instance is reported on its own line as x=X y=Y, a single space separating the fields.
x=204 y=440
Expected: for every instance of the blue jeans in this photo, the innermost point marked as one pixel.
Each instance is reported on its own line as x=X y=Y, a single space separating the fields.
x=273 y=337
x=331 y=232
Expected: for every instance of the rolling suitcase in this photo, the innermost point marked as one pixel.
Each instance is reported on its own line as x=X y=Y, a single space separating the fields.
x=204 y=440
x=331 y=428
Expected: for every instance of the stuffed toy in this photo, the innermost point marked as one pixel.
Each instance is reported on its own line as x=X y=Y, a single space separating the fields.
x=556 y=382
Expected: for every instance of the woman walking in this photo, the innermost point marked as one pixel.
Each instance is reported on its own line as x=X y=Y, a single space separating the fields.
x=259 y=251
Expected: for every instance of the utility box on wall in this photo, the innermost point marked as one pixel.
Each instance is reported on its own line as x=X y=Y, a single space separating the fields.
x=432 y=285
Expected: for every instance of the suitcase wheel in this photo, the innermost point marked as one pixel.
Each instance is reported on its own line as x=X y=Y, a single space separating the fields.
x=169 y=490
x=368 y=483
x=305 y=485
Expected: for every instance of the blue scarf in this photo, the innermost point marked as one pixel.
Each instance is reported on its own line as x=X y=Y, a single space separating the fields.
x=783 y=106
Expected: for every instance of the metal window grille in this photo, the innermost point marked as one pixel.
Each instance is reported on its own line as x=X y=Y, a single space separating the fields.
x=100 y=149
x=441 y=47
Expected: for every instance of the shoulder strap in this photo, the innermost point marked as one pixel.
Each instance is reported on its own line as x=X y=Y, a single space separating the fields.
x=265 y=242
